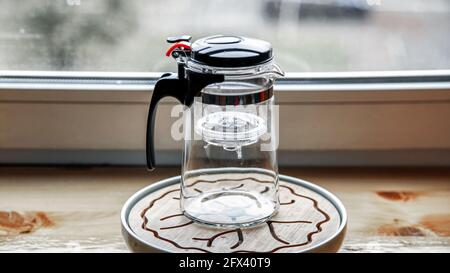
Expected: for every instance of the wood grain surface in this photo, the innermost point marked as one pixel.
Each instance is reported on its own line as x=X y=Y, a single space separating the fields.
x=77 y=209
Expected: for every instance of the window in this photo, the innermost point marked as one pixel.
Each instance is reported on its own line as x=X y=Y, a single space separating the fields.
x=308 y=35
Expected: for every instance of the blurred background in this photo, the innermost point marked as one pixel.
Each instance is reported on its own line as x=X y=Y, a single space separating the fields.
x=308 y=35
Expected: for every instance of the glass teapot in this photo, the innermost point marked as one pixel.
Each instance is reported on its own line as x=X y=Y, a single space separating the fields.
x=230 y=124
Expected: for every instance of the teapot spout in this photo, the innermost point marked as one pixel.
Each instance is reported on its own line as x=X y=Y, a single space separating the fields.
x=276 y=71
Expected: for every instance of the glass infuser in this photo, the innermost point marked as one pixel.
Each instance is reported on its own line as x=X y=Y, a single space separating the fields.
x=229 y=170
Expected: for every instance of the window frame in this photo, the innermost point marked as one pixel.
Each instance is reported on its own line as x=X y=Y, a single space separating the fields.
x=381 y=90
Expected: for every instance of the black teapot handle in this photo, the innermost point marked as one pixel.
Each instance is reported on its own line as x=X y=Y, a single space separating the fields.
x=180 y=86
x=169 y=85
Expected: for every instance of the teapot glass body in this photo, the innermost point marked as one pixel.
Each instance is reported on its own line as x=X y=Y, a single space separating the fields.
x=230 y=127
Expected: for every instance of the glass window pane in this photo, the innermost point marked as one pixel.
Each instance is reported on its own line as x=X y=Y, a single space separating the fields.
x=308 y=35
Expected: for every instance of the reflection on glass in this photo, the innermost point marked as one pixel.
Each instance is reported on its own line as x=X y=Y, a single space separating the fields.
x=308 y=35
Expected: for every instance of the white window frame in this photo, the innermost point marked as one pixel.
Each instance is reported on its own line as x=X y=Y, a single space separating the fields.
x=390 y=118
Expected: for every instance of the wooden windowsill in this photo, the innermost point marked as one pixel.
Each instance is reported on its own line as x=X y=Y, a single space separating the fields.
x=77 y=209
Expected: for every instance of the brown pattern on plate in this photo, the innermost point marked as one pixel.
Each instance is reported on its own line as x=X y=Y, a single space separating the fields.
x=305 y=220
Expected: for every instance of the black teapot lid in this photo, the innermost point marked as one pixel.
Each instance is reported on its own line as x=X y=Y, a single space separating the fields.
x=231 y=51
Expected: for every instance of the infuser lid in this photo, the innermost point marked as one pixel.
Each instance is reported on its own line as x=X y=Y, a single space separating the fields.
x=230 y=51
x=231 y=129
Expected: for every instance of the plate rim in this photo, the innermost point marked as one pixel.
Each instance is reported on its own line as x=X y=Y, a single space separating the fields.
x=136 y=197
